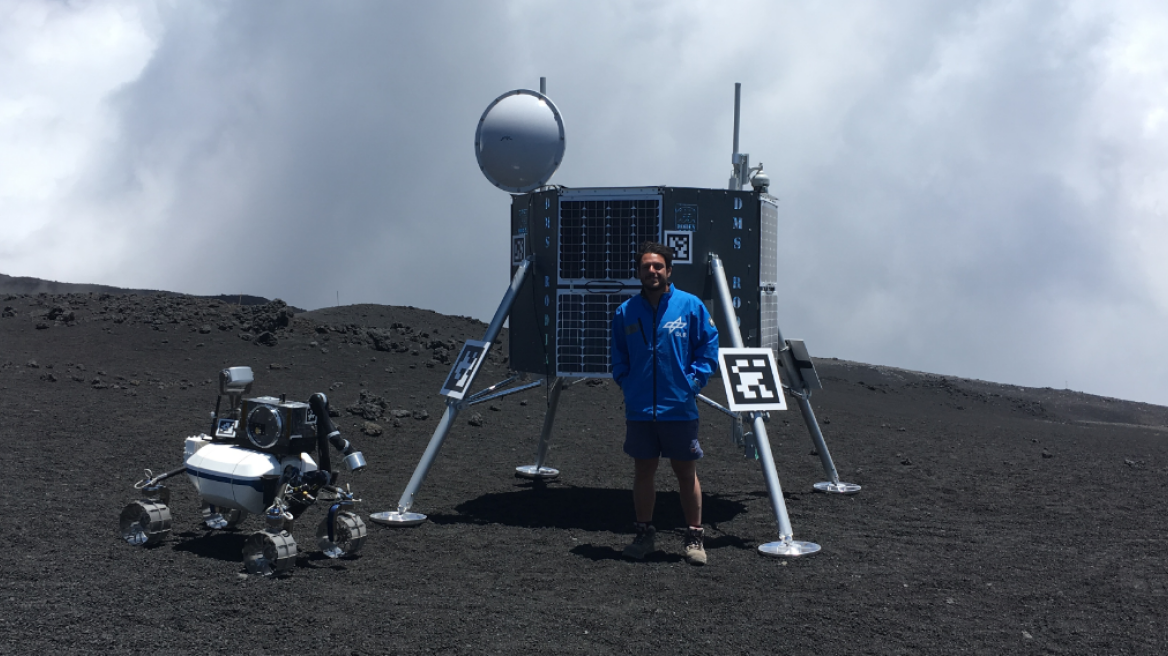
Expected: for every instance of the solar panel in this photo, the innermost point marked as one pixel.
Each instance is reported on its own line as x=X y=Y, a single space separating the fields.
x=768 y=274
x=599 y=237
x=583 y=244
x=598 y=244
x=582 y=332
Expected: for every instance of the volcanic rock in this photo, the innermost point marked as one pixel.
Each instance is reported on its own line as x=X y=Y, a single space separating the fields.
x=1014 y=540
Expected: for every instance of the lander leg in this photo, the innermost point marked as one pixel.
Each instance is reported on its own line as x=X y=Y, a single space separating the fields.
x=801 y=389
x=538 y=471
x=402 y=516
x=834 y=485
x=787 y=545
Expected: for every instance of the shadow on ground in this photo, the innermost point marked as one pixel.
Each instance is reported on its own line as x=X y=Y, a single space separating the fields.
x=580 y=508
x=219 y=545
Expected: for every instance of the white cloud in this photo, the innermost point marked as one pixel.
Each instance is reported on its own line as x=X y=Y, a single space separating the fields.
x=975 y=189
x=59 y=63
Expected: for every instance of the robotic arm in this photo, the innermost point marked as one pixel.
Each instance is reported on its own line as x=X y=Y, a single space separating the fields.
x=327 y=433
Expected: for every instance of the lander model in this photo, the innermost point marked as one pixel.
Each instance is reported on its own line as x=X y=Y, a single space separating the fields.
x=259 y=460
x=572 y=265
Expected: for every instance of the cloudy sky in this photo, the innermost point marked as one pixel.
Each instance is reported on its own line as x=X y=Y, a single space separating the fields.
x=977 y=188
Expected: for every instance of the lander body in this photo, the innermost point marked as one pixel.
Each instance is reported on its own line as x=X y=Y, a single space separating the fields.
x=573 y=263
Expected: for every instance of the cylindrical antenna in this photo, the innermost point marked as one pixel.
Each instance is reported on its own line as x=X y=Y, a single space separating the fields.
x=737 y=104
x=543 y=86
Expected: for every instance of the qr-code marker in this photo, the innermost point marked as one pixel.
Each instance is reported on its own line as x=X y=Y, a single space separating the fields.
x=518 y=248
x=682 y=245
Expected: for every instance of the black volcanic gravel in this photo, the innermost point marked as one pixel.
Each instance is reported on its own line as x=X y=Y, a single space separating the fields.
x=994 y=519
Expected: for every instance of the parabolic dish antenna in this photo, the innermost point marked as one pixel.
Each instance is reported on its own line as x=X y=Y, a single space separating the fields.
x=520 y=141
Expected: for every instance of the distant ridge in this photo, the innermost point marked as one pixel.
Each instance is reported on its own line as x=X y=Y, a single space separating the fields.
x=33 y=286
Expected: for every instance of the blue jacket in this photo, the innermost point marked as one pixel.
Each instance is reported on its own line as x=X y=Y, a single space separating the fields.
x=662 y=359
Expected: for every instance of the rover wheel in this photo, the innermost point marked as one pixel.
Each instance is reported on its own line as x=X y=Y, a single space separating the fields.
x=218 y=517
x=144 y=523
x=348 y=535
x=269 y=554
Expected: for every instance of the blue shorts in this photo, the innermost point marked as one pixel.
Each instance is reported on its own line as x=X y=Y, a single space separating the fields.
x=676 y=440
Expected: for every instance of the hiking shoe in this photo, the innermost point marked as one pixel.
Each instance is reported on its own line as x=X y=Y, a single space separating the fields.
x=642 y=545
x=695 y=553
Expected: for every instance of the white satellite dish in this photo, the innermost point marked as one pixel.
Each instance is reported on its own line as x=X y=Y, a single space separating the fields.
x=520 y=141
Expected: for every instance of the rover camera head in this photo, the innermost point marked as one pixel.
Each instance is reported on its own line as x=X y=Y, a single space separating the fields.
x=235 y=381
x=265 y=426
x=277 y=426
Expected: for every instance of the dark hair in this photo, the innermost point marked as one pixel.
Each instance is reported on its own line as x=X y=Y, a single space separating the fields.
x=655 y=248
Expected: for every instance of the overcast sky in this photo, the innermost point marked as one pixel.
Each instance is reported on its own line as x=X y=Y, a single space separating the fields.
x=976 y=188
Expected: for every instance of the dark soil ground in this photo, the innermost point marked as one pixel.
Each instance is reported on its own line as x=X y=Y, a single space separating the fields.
x=993 y=519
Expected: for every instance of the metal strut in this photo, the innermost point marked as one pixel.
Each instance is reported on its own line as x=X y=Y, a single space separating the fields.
x=402 y=516
x=717 y=406
x=538 y=471
x=802 y=393
x=476 y=399
x=787 y=545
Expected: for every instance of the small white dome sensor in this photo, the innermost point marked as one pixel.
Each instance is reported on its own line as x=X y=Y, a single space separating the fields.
x=519 y=142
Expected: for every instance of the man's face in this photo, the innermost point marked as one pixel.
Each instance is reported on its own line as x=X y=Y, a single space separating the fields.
x=653 y=273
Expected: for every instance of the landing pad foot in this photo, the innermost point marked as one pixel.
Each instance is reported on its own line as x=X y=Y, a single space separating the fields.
x=399 y=519
x=789 y=549
x=531 y=471
x=836 y=488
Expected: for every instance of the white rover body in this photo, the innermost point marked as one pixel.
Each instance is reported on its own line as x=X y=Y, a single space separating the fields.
x=231 y=476
x=258 y=460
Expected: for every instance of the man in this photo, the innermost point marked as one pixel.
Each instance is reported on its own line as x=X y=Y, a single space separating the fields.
x=664 y=348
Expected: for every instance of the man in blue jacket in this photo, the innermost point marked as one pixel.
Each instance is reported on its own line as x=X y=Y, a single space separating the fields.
x=664 y=348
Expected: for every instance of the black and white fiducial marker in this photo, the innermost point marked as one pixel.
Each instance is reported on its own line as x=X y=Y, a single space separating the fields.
x=470 y=358
x=752 y=379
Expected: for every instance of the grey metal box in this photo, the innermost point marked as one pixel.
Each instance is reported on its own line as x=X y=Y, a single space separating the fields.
x=584 y=243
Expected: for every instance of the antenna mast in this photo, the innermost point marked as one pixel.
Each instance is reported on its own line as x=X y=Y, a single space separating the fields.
x=739 y=161
x=742 y=173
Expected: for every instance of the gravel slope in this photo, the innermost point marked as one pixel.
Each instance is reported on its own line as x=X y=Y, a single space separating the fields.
x=994 y=519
